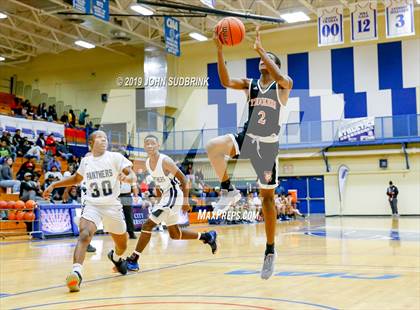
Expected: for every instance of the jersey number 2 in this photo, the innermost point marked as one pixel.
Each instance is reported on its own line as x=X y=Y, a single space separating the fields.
x=106 y=189
x=261 y=120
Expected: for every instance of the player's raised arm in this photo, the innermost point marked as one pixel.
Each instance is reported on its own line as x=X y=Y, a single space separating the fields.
x=225 y=80
x=283 y=80
x=169 y=166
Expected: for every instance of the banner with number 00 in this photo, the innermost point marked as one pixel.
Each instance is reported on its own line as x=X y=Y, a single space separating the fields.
x=330 y=26
x=399 y=16
x=363 y=17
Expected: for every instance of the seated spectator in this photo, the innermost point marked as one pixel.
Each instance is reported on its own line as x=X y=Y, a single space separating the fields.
x=56 y=193
x=82 y=117
x=28 y=107
x=41 y=141
x=5 y=151
x=62 y=149
x=64 y=118
x=199 y=176
x=34 y=151
x=17 y=138
x=42 y=111
x=72 y=118
x=50 y=145
x=52 y=113
x=23 y=148
x=27 y=167
x=29 y=189
x=6 y=176
x=5 y=137
x=71 y=195
x=55 y=173
x=54 y=162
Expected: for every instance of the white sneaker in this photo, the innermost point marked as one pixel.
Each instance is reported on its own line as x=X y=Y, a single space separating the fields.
x=268 y=266
x=227 y=198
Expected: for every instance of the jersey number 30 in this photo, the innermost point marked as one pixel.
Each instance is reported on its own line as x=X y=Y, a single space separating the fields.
x=106 y=189
x=261 y=119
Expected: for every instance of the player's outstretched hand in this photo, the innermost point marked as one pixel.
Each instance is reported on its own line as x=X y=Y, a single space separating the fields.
x=216 y=40
x=47 y=193
x=257 y=42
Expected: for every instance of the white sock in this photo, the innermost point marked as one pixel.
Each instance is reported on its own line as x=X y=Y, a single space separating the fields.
x=199 y=236
x=78 y=268
x=135 y=252
x=115 y=257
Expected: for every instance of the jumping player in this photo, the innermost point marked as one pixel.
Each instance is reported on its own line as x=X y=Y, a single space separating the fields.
x=102 y=173
x=259 y=141
x=172 y=184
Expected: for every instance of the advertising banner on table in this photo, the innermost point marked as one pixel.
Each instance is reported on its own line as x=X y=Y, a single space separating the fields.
x=56 y=221
x=172 y=33
x=330 y=26
x=399 y=15
x=31 y=128
x=363 y=21
x=140 y=216
x=357 y=129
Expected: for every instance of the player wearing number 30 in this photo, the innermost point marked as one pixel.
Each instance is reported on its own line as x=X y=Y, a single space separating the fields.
x=102 y=172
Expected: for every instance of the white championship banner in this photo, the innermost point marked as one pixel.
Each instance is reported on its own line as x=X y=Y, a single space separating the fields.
x=330 y=26
x=31 y=128
x=357 y=129
x=363 y=21
x=399 y=16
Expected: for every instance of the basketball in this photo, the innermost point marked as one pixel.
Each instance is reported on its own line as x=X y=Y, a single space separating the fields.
x=20 y=215
x=12 y=215
x=11 y=204
x=230 y=30
x=3 y=204
x=19 y=205
x=29 y=216
x=30 y=204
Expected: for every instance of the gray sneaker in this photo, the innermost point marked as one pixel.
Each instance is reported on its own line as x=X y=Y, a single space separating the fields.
x=268 y=266
x=227 y=198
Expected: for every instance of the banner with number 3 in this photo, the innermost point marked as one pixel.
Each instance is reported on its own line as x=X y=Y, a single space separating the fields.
x=363 y=17
x=399 y=18
x=330 y=26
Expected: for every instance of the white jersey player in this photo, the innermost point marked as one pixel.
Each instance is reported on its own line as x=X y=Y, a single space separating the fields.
x=102 y=173
x=172 y=184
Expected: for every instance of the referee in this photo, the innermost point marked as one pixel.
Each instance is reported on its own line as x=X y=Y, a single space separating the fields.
x=127 y=200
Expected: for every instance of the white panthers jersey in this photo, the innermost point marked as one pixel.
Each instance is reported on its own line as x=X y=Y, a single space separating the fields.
x=163 y=181
x=100 y=175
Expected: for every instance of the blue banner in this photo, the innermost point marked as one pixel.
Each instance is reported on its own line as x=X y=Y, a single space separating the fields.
x=100 y=9
x=172 y=34
x=82 y=5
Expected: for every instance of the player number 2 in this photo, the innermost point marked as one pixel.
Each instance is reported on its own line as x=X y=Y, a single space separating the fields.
x=106 y=189
x=261 y=120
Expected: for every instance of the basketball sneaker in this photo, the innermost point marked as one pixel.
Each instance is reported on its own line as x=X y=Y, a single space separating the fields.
x=268 y=266
x=121 y=265
x=211 y=240
x=132 y=264
x=91 y=249
x=73 y=281
x=227 y=198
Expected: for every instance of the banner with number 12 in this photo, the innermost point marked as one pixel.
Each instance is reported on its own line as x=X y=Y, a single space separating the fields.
x=363 y=16
x=330 y=26
x=399 y=16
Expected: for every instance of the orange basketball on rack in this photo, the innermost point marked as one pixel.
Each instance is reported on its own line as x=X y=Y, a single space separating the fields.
x=11 y=215
x=29 y=216
x=19 y=215
x=230 y=30
x=11 y=204
x=19 y=205
x=30 y=204
x=3 y=204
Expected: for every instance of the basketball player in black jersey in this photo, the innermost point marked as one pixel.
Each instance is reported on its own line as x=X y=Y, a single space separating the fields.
x=259 y=141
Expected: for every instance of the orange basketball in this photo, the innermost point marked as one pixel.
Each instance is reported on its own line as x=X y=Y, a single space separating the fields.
x=11 y=204
x=20 y=205
x=19 y=215
x=231 y=31
x=3 y=204
x=29 y=216
x=11 y=215
x=30 y=204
